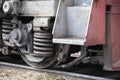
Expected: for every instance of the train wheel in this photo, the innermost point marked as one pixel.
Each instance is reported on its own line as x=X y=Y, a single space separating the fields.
x=38 y=62
x=42 y=62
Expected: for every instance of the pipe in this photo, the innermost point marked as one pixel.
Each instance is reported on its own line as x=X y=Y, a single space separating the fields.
x=77 y=60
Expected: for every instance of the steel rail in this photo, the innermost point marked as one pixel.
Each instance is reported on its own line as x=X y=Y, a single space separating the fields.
x=71 y=74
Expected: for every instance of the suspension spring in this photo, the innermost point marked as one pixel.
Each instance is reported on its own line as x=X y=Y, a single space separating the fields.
x=7 y=27
x=42 y=44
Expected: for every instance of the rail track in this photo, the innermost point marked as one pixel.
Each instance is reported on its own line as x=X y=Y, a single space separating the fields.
x=87 y=71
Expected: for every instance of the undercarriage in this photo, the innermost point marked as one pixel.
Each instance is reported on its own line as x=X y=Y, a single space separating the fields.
x=59 y=33
x=26 y=30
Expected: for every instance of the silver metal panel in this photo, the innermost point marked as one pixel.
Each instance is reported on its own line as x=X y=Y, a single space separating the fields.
x=78 y=20
x=73 y=41
x=83 y=2
x=71 y=24
x=60 y=26
x=39 y=8
x=107 y=48
x=38 y=22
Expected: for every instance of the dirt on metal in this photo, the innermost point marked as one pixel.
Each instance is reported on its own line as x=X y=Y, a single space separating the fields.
x=9 y=73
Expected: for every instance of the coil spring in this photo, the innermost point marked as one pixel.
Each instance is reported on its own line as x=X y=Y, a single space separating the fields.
x=43 y=43
x=6 y=27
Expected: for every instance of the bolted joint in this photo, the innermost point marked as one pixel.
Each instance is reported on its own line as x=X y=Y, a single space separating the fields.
x=7 y=7
x=11 y=7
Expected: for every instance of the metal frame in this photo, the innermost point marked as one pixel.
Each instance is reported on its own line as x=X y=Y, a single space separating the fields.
x=70 y=28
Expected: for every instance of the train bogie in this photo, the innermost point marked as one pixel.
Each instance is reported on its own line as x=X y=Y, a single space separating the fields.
x=51 y=32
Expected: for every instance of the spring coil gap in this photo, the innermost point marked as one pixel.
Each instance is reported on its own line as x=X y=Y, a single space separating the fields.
x=43 y=43
x=7 y=27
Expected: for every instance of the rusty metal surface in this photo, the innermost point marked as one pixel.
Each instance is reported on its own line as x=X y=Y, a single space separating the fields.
x=96 y=30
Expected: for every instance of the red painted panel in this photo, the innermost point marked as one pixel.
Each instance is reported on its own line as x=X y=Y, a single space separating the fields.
x=115 y=10
x=96 y=30
x=113 y=2
x=115 y=37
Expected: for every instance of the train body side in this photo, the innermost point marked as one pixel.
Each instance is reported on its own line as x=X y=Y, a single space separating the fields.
x=112 y=54
x=109 y=27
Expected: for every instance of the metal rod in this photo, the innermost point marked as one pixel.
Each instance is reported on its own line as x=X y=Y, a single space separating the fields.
x=73 y=62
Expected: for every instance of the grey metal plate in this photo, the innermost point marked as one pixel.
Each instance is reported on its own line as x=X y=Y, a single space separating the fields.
x=72 y=41
x=39 y=8
x=78 y=20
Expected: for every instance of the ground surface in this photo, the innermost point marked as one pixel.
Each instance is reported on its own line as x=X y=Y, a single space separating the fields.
x=9 y=73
